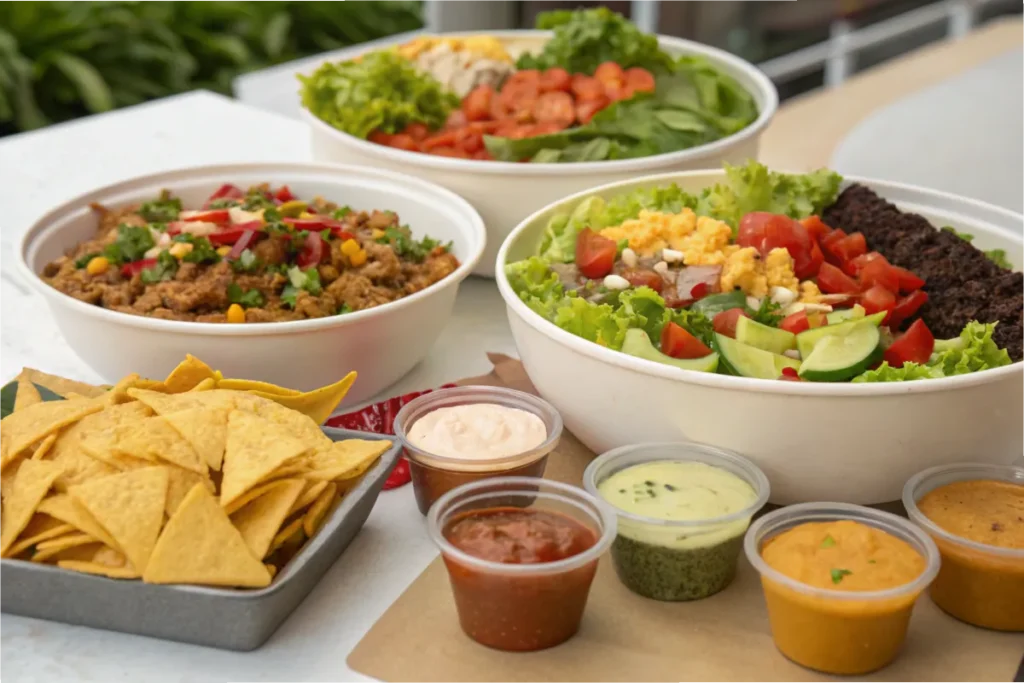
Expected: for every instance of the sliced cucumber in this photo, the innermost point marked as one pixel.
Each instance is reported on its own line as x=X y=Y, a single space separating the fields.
x=808 y=339
x=638 y=344
x=839 y=357
x=844 y=314
x=749 y=361
x=749 y=331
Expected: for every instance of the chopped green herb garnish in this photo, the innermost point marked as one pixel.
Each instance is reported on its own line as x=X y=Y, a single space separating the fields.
x=271 y=214
x=162 y=210
x=246 y=262
x=341 y=212
x=131 y=244
x=343 y=309
x=828 y=542
x=256 y=200
x=301 y=280
x=249 y=298
x=83 y=261
x=223 y=203
x=203 y=250
x=165 y=269
x=838 y=574
x=401 y=240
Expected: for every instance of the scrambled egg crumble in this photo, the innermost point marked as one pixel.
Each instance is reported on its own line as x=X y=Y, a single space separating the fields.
x=743 y=270
x=809 y=292
x=484 y=46
x=653 y=231
x=778 y=267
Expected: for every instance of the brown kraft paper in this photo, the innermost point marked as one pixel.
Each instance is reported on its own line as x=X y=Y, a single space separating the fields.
x=625 y=637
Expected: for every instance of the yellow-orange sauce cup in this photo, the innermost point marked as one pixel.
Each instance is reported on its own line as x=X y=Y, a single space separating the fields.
x=834 y=631
x=978 y=583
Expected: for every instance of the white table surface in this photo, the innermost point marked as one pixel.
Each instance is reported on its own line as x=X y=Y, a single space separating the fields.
x=40 y=169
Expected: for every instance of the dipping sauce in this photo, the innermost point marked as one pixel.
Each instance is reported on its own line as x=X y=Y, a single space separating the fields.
x=667 y=562
x=477 y=431
x=984 y=588
x=520 y=611
x=832 y=634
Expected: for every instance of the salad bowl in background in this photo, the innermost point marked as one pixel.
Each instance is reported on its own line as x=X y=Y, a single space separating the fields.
x=381 y=344
x=855 y=443
x=506 y=192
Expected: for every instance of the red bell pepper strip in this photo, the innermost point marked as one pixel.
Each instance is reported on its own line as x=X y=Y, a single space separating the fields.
x=232 y=234
x=130 y=269
x=225 y=191
x=283 y=194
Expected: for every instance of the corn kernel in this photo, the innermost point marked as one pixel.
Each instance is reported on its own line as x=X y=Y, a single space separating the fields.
x=224 y=251
x=357 y=259
x=377 y=233
x=179 y=249
x=97 y=265
x=236 y=314
x=350 y=247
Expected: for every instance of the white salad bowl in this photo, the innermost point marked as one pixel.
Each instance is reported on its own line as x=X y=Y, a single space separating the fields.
x=854 y=443
x=382 y=344
x=507 y=192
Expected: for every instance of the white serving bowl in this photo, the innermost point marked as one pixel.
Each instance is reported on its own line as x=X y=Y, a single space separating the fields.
x=854 y=443
x=507 y=192
x=382 y=344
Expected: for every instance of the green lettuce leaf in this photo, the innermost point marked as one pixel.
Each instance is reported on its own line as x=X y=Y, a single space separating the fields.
x=887 y=373
x=536 y=284
x=972 y=351
x=754 y=188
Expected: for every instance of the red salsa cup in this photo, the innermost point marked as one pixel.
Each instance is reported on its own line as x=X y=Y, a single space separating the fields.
x=434 y=475
x=521 y=554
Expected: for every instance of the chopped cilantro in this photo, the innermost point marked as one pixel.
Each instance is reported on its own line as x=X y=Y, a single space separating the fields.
x=767 y=313
x=343 y=309
x=966 y=237
x=162 y=210
x=299 y=280
x=248 y=298
x=401 y=240
x=341 y=212
x=131 y=244
x=271 y=215
x=203 y=250
x=165 y=269
x=325 y=234
x=838 y=574
x=828 y=541
x=256 y=200
x=223 y=203
x=83 y=261
x=247 y=262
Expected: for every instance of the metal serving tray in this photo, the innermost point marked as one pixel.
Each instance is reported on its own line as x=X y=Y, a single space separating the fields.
x=231 y=619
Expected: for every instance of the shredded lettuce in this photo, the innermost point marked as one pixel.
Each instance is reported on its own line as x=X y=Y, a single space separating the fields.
x=887 y=373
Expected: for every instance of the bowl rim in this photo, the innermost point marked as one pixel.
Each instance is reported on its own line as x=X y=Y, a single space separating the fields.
x=749 y=384
x=764 y=88
x=460 y=211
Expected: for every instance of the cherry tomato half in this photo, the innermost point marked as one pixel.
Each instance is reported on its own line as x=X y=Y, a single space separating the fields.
x=878 y=272
x=831 y=280
x=610 y=73
x=555 y=107
x=586 y=109
x=587 y=88
x=907 y=306
x=915 y=345
x=877 y=299
x=640 y=80
x=766 y=231
x=678 y=343
x=725 y=322
x=595 y=254
x=477 y=105
x=555 y=79
x=795 y=322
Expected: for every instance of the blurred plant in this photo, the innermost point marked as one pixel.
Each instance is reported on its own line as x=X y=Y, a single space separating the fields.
x=60 y=60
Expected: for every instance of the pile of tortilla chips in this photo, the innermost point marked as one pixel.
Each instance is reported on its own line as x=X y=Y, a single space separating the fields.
x=193 y=479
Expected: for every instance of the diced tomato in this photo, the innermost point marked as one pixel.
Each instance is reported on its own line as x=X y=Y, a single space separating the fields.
x=284 y=194
x=129 y=269
x=312 y=251
x=587 y=88
x=766 y=231
x=908 y=281
x=586 y=109
x=617 y=92
x=725 y=322
x=816 y=227
x=477 y=105
x=678 y=343
x=417 y=131
x=831 y=280
x=849 y=247
x=913 y=346
x=645 y=278
x=790 y=375
x=483 y=155
x=404 y=141
x=827 y=241
x=528 y=76
x=518 y=98
x=469 y=140
x=854 y=265
x=211 y=216
x=595 y=254
x=457 y=119
x=907 y=306
x=610 y=73
x=446 y=139
x=555 y=79
x=699 y=291
x=555 y=107
x=547 y=128
x=878 y=272
x=640 y=80
x=795 y=322
x=226 y=191
x=453 y=152
x=877 y=299
x=813 y=265
x=379 y=137
x=340 y=232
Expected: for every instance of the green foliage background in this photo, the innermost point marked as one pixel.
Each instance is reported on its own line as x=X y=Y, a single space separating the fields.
x=61 y=60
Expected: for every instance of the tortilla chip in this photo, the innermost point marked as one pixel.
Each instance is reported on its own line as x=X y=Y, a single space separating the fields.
x=68 y=510
x=30 y=485
x=153 y=438
x=255 y=448
x=188 y=374
x=206 y=385
x=119 y=393
x=101 y=569
x=249 y=496
x=309 y=495
x=53 y=547
x=343 y=459
x=253 y=385
x=130 y=507
x=284 y=535
x=161 y=403
x=40 y=528
x=317 y=404
x=314 y=517
x=260 y=520
x=271 y=569
x=38 y=421
x=109 y=557
x=179 y=483
x=60 y=385
x=27 y=395
x=298 y=425
x=205 y=429
x=44 y=447
x=200 y=545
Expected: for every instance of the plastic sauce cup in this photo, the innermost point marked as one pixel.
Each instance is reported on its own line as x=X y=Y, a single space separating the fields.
x=978 y=583
x=677 y=560
x=434 y=475
x=838 y=632
x=520 y=607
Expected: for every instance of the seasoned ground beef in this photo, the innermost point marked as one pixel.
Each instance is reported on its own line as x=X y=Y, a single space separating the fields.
x=365 y=259
x=962 y=283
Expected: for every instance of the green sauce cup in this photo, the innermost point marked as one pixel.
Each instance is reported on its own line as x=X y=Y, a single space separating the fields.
x=674 y=560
